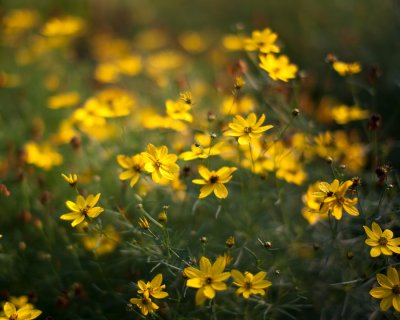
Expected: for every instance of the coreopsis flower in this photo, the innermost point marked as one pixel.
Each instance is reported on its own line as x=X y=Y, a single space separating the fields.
x=179 y=110
x=72 y=179
x=334 y=200
x=345 y=69
x=247 y=129
x=278 y=68
x=65 y=26
x=343 y=114
x=264 y=41
x=153 y=288
x=42 y=155
x=143 y=223
x=208 y=279
x=389 y=290
x=145 y=305
x=159 y=163
x=186 y=97
x=312 y=204
x=381 y=242
x=27 y=312
x=214 y=181
x=82 y=209
x=134 y=167
x=250 y=284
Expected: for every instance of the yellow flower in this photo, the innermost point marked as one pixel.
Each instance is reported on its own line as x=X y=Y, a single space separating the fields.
x=143 y=223
x=63 y=100
x=17 y=21
x=72 y=179
x=186 y=97
x=82 y=209
x=179 y=110
x=389 y=290
x=27 y=312
x=145 y=305
x=250 y=284
x=214 y=181
x=20 y=301
x=381 y=242
x=65 y=26
x=134 y=165
x=208 y=279
x=42 y=155
x=262 y=40
x=345 y=69
x=311 y=210
x=233 y=42
x=153 y=288
x=192 y=41
x=159 y=163
x=278 y=68
x=343 y=114
x=102 y=243
x=334 y=200
x=247 y=129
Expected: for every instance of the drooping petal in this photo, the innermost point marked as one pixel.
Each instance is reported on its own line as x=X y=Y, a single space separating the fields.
x=209 y=292
x=77 y=221
x=220 y=191
x=206 y=190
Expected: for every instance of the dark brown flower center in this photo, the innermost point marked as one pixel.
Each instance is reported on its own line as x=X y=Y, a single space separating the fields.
x=137 y=168
x=208 y=280
x=14 y=316
x=214 y=179
x=383 y=241
x=158 y=164
x=330 y=194
x=396 y=289
x=247 y=129
x=247 y=285
x=145 y=301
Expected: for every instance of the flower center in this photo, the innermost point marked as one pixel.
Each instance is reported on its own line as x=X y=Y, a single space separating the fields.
x=137 y=168
x=14 y=316
x=214 y=179
x=330 y=194
x=208 y=280
x=145 y=301
x=158 y=164
x=383 y=241
x=84 y=211
x=396 y=289
x=247 y=285
x=247 y=129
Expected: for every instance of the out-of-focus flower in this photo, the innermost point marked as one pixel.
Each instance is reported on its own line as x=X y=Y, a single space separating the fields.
x=82 y=209
x=381 y=242
x=208 y=279
x=146 y=305
x=250 y=284
x=264 y=41
x=214 y=181
x=345 y=69
x=233 y=42
x=64 y=26
x=311 y=210
x=42 y=155
x=344 y=114
x=389 y=290
x=19 y=20
x=63 y=100
x=143 y=223
x=179 y=110
x=193 y=42
x=278 y=68
x=103 y=243
x=134 y=165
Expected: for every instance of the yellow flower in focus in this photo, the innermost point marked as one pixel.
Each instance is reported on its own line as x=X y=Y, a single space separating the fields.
x=72 y=179
x=381 y=242
x=63 y=100
x=278 y=68
x=264 y=41
x=145 y=305
x=247 y=129
x=333 y=196
x=250 y=284
x=344 y=114
x=345 y=69
x=159 y=163
x=82 y=209
x=389 y=290
x=154 y=288
x=65 y=26
x=143 y=223
x=214 y=181
x=27 y=312
x=208 y=279
x=179 y=110
x=134 y=165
